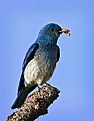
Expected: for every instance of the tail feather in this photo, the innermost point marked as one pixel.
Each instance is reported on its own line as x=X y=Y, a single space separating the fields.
x=22 y=96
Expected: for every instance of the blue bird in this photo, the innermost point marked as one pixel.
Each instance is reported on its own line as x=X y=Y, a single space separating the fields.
x=40 y=61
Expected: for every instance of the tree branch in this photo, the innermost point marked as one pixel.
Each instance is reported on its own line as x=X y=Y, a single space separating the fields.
x=36 y=104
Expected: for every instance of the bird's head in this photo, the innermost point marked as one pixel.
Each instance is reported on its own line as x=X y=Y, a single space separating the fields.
x=50 y=33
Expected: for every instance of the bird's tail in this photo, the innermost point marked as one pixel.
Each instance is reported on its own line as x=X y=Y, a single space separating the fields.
x=22 y=96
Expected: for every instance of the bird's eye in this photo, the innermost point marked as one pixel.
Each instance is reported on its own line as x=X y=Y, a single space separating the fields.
x=52 y=29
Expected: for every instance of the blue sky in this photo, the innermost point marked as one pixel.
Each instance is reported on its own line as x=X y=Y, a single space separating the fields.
x=20 y=22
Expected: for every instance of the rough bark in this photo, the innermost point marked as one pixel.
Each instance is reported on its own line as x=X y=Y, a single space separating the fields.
x=36 y=104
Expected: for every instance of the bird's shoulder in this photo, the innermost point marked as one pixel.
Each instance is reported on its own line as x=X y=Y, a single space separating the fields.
x=30 y=54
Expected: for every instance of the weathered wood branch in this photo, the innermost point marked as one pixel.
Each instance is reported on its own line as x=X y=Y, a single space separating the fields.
x=36 y=104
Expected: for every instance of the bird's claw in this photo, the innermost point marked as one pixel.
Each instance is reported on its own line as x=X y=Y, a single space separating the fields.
x=47 y=84
x=39 y=88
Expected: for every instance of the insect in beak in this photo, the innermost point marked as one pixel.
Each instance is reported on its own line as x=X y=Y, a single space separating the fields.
x=66 y=31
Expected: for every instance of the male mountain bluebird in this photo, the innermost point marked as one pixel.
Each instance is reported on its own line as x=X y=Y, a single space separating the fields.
x=40 y=61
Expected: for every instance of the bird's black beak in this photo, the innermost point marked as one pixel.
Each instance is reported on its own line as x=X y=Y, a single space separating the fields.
x=66 y=31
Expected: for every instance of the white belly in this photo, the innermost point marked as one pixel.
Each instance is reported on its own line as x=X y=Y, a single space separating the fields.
x=37 y=72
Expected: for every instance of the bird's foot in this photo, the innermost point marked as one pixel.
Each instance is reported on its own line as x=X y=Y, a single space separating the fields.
x=47 y=84
x=39 y=88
